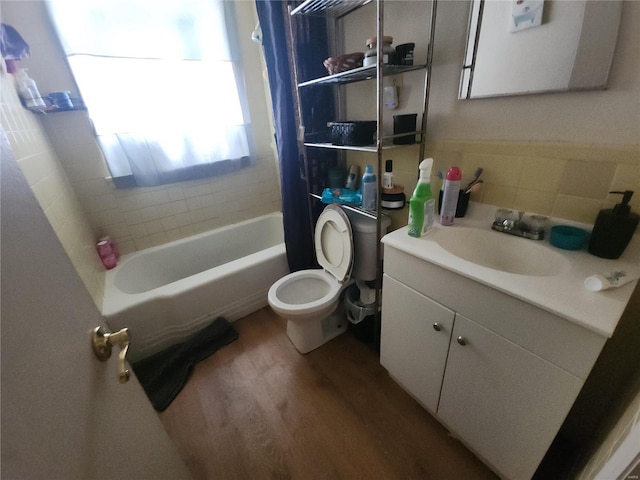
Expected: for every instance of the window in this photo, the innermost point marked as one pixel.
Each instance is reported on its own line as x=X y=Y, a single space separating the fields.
x=162 y=84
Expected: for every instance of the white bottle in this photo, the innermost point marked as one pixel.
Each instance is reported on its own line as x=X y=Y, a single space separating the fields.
x=369 y=189
x=387 y=177
x=450 y=196
x=28 y=90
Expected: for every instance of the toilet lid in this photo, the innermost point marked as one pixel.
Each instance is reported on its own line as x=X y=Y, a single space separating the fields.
x=334 y=242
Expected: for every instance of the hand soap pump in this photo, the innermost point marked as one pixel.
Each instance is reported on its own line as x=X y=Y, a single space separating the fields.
x=613 y=229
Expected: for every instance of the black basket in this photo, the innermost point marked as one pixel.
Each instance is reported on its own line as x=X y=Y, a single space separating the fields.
x=353 y=133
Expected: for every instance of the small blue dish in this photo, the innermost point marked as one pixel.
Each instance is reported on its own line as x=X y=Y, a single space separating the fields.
x=567 y=237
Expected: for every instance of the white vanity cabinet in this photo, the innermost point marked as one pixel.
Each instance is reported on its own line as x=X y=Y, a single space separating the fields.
x=500 y=374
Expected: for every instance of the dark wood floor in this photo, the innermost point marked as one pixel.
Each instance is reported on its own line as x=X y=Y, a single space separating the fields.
x=258 y=409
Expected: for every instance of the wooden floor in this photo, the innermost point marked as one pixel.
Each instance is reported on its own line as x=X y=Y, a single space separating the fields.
x=258 y=409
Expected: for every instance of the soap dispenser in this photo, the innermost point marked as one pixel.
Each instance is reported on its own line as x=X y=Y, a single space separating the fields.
x=614 y=229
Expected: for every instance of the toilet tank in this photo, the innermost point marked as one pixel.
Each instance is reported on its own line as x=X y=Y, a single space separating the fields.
x=364 y=244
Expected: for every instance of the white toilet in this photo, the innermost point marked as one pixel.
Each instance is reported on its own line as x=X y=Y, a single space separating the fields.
x=310 y=299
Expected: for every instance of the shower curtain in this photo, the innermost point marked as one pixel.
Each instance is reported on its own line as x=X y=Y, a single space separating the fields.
x=312 y=50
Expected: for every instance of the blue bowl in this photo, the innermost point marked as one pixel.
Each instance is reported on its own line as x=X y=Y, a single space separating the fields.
x=567 y=237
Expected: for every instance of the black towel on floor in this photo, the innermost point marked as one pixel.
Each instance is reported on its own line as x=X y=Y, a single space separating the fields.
x=163 y=374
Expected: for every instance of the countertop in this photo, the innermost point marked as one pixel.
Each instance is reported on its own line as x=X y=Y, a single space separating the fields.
x=562 y=294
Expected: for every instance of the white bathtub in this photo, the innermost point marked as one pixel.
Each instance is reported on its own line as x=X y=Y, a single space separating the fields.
x=165 y=293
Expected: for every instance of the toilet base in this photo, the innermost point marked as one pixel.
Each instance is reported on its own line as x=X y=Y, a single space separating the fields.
x=308 y=335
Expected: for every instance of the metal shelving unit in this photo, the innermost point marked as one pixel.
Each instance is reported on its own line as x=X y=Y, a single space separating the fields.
x=335 y=10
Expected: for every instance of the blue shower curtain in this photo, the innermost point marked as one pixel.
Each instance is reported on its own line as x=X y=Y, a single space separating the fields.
x=312 y=35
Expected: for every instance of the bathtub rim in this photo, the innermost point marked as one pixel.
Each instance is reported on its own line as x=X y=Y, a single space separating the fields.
x=115 y=300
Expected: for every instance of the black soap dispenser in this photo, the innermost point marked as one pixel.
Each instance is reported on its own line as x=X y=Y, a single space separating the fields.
x=613 y=229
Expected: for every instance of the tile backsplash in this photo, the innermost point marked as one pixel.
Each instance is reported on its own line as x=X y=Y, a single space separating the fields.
x=561 y=180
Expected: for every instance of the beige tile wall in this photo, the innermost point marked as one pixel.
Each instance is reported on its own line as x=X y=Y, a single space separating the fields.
x=139 y=218
x=52 y=188
x=561 y=180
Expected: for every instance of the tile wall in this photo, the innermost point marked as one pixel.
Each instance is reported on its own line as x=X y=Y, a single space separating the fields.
x=570 y=181
x=52 y=188
x=139 y=218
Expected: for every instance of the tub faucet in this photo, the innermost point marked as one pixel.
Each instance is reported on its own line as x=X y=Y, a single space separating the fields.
x=102 y=343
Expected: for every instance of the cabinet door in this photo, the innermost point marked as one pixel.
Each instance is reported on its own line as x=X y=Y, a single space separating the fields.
x=412 y=348
x=504 y=402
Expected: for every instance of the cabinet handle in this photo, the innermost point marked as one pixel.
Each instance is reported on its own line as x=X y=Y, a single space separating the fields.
x=437 y=327
x=462 y=341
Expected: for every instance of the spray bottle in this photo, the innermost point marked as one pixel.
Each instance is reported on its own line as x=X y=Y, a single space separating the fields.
x=450 y=196
x=421 y=205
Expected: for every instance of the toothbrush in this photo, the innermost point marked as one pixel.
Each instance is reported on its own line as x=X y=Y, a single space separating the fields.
x=475 y=180
x=475 y=187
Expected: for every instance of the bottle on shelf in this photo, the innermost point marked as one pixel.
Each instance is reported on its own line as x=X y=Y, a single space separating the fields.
x=28 y=90
x=369 y=189
x=387 y=177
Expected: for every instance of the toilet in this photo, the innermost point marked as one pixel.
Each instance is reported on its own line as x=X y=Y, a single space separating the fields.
x=345 y=245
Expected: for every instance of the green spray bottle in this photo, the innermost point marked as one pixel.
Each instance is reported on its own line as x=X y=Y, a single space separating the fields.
x=421 y=205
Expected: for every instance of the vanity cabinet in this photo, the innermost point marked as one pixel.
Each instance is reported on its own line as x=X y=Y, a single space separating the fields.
x=500 y=374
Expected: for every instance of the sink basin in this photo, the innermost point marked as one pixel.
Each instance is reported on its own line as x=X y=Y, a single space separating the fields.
x=500 y=251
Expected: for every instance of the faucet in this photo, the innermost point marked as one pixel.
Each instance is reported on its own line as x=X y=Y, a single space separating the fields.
x=519 y=224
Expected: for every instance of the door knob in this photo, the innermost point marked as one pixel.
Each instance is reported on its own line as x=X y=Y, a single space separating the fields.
x=437 y=327
x=462 y=341
x=102 y=343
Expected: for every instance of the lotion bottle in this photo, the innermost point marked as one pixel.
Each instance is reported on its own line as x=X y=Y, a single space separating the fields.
x=387 y=177
x=613 y=229
x=450 y=196
x=421 y=205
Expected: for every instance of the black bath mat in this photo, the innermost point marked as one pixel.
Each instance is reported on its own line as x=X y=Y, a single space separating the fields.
x=163 y=374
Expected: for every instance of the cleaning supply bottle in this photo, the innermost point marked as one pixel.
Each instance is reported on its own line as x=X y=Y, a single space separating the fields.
x=352 y=177
x=421 y=205
x=450 y=196
x=28 y=90
x=387 y=177
x=369 y=189
x=614 y=229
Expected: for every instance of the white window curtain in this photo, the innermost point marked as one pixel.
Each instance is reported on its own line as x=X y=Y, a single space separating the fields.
x=162 y=83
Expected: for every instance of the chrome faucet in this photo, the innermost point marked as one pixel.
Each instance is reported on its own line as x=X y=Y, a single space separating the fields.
x=520 y=224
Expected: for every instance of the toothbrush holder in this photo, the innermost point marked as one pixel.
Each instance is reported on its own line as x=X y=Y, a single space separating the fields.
x=462 y=205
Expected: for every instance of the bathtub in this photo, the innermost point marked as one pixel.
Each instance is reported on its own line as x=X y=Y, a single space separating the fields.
x=165 y=293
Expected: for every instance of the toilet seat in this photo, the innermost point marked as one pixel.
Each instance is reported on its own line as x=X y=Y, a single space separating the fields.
x=304 y=292
x=333 y=241
x=315 y=290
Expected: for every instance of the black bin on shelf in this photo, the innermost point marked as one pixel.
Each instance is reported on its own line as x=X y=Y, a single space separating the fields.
x=358 y=133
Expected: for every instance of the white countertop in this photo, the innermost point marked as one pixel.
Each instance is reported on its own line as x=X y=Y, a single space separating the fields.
x=563 y=294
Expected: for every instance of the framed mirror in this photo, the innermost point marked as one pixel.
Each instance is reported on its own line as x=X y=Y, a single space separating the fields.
x=518 y=47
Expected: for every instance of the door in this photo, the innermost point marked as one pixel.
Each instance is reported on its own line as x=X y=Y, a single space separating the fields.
x=415 y=341
x=64 y=414
x=504 y=402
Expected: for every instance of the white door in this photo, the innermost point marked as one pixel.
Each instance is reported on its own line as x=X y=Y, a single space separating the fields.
x=64 y=414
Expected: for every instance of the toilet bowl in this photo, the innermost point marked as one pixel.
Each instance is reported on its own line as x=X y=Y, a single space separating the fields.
x=310 y=299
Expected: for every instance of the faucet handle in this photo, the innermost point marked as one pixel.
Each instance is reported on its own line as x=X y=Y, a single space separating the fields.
x=536 y=223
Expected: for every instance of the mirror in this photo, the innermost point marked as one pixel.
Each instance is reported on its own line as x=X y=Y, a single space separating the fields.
x=517 y=47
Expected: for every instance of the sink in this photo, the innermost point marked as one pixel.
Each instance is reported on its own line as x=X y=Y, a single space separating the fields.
x=500 y=251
